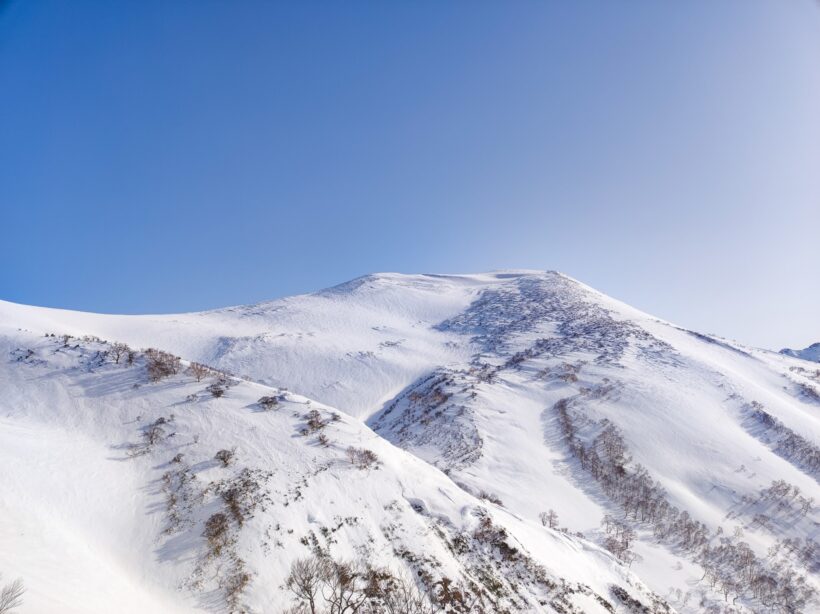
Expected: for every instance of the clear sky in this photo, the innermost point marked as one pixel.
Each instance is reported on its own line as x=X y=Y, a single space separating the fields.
x=160 y=156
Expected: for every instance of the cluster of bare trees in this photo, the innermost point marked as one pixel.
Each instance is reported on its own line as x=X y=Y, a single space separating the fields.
x=784 y=441
x=730 y=566
x=362 y=458
x=804 y=551
x=321 y=585
x=161 y=364
x=787 y=497
x=619 y=539
x=11 y=596
x=121 y=351
x=809 y=391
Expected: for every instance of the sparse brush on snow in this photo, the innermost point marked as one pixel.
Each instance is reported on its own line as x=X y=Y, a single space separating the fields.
x=11 y=596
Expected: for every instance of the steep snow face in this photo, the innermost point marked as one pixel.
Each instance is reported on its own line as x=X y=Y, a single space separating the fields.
x=577 y=403
x=196 y=492
x=810 y=353
x=691 y=458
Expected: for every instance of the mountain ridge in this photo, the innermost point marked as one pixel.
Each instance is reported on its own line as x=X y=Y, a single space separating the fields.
x=656 y=454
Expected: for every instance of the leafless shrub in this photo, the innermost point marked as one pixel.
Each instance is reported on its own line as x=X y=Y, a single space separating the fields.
x=362 y=458
x=268 y=402
x=314 y=421
x=11 y=596
x=235 y=583
x=495 y=536
x=492 y=498
x=217 y=390
x=153 y=434
x=244 y=493
x=810 y=392
x=226 y=457
x=323 y=440
x=217 y=532
x=549 y=519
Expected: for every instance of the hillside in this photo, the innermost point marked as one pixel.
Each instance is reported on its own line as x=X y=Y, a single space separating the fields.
x=539 y=446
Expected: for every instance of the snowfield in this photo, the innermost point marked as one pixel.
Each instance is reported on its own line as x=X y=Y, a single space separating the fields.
x=502 y=442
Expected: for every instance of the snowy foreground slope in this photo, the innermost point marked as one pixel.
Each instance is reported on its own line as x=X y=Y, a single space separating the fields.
x=539 y=447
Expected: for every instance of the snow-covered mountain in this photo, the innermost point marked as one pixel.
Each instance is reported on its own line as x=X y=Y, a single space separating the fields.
x=810 y=353
x=536 y=447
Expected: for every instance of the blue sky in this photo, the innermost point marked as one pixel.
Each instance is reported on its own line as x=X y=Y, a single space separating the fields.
x=174 y=156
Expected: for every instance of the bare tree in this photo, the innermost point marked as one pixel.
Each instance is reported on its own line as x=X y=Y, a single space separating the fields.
x=343 y=588
x=198 y=370
x=11 y=596
x=305 y=582
x=118 y=351
x=402 y=596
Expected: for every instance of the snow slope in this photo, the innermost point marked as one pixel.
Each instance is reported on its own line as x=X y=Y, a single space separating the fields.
x=94 y=519
x=506 y=394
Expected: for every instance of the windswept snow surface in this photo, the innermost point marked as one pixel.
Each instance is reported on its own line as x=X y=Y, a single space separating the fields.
x=488 y=399
x=354 y=346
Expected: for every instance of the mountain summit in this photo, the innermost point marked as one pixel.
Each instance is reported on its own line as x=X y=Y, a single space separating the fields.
x=512 y=441
x=810 y=353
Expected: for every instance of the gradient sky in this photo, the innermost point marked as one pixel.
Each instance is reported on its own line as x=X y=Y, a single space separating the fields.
x=173 y=156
